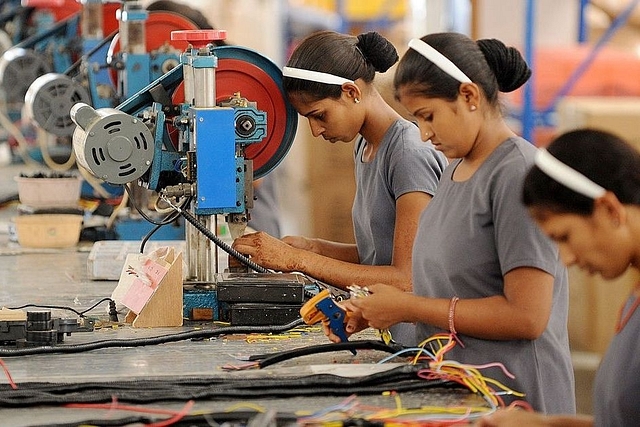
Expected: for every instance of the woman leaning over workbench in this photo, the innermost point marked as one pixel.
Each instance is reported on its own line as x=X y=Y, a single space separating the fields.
x=482 y=270
x=584 y=192
x=329 y=80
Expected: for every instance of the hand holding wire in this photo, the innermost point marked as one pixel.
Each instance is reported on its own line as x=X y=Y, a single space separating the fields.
x=360 y=292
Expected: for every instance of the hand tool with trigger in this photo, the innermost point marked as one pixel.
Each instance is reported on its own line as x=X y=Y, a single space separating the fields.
x=322 y=308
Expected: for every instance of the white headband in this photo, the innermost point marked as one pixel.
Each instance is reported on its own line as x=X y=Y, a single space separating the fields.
x=567 y=176
x=314 y=76
x=439 y=60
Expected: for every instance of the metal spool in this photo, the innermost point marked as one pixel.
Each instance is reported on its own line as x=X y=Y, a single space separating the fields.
x=49 y=100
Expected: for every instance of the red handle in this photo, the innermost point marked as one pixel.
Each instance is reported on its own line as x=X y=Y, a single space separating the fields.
x=199 y=38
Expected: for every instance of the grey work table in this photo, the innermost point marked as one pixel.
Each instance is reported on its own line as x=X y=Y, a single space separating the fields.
x=59 y=277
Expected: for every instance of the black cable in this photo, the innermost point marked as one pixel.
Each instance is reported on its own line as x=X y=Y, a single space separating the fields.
x=267 y=360
x=148 y=236
x=141 y=342
x=53 y=307
x=58 y=307
x=166 y=220
x=219 y=242
x=96 y=304
x=403 y=378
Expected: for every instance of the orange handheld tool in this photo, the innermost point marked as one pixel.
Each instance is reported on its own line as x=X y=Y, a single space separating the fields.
x=322 y=308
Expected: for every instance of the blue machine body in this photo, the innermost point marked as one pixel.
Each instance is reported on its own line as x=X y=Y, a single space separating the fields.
x=220 y=175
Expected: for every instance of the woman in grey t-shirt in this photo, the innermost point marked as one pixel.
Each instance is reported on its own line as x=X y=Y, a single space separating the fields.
x=329 y=80
x=482 y=271
x=584 y=192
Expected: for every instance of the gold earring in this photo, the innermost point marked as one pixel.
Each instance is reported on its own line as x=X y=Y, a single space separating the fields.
x=356 y=100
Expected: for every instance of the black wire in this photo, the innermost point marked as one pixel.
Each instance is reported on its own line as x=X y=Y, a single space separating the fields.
x=58 y=307
x=274 y=358
x=147 y=236
x=169 y=219
x=54 y=307
x=95 y=305
x=401 y=379
x=141 y=342
x=221 y=243
x=166 y=220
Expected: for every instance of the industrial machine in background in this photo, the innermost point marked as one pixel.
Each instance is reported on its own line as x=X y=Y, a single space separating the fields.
x=112 y=68
x=198 y=136
x=100 y=52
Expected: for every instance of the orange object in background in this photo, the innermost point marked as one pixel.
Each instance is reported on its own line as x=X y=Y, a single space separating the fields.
x=611 y=73
x=61 y=9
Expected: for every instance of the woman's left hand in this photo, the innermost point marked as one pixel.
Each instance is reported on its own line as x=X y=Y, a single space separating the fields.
x=384 y=306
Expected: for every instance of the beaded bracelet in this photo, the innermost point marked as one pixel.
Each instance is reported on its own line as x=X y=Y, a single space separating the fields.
x=452 y=312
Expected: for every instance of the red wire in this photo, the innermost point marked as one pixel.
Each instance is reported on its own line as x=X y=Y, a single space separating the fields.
x=177 y=417
x=114 y=405
x=8 y=375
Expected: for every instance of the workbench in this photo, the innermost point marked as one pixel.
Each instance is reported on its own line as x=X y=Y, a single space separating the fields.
x=59 y=277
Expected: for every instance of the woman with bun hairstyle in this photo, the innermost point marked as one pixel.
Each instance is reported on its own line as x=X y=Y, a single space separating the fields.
x=329 y=80
x=482 y=271
x=584 y=192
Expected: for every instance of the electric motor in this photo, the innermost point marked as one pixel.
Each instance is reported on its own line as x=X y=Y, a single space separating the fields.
x=18 y=69
x=49 y=100
x=113 y=146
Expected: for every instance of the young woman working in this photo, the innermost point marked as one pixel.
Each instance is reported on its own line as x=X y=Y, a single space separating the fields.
x=584 y=192
x=329 y=80
x=482 y=270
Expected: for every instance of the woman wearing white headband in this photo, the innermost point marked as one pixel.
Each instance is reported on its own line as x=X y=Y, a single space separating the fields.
x=596 y=224
x=329 y=80
x=482 y=270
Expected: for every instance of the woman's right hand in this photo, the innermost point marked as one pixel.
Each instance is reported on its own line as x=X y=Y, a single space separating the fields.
x=354 y=322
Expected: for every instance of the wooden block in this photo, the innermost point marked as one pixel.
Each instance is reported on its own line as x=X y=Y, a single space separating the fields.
x=164 y=308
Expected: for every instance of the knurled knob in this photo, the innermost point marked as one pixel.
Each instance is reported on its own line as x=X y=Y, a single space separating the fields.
x=199 y=38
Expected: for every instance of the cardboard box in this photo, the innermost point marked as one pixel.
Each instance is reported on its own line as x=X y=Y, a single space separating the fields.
x=331 y=188
x=618 y=115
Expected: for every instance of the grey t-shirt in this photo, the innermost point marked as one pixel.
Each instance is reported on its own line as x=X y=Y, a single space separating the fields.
x=474 y=232
x=403 y=163
x=617 y=383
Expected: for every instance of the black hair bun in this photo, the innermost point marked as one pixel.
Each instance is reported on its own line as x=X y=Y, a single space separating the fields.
x=507 y=63
x=377 y=50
